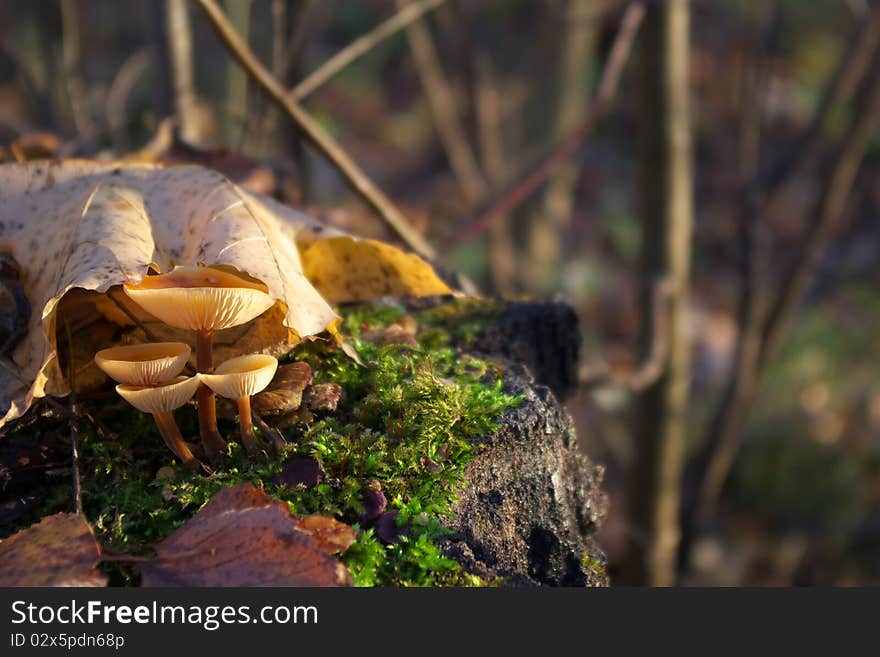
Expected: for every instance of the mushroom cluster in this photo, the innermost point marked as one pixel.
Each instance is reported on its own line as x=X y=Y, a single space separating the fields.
x=200 y=299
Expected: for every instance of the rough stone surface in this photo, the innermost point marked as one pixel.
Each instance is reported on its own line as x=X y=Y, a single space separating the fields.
x=531 y=505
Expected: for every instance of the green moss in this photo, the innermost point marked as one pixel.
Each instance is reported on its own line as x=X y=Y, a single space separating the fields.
x=408 y=422
x=594 y=565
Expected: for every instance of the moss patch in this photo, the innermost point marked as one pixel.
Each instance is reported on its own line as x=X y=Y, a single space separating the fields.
x=407 y=424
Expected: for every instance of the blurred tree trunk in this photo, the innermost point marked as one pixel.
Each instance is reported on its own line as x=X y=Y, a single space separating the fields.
x=180 y=49
x=666 y=208
x=553 y=215
x=236 y=110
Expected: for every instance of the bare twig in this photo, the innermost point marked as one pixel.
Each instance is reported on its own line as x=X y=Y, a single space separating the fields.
x=71 y=57
x=316 y=135
x=137 y=322
x=549 y=219
x=362 y=45
x=849 y=70
x=600 y=106
x=120 y=89
x=501 y=249
x=652 y=367
x=271 y=434
x=444 y=111
x=74 y=430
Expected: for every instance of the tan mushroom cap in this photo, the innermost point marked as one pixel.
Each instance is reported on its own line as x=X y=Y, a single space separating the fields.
x=200 y=298
x=143 y=364
x=162 y=398
x=242 y=376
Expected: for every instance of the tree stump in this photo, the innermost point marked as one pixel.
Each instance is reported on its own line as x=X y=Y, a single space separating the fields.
x=531 y=504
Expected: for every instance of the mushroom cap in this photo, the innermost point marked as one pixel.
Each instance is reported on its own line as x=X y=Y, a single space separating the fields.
x=162 y=398
x=242 y=376
x=143 y=364
x=200 y=298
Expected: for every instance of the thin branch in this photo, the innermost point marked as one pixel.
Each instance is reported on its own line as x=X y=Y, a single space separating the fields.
x=850 y=69
x=829 y=210
x=315 y=134
x=600 y=106
x=444 y=111
x=652 y=367
x=128 y=313
x=71 y=57
x=271 y=434
x=362 y=45
x=120 y=89
x=487 y=100
x=74 y=430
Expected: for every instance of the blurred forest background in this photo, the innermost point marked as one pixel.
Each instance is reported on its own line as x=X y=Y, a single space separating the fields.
x=699 y=179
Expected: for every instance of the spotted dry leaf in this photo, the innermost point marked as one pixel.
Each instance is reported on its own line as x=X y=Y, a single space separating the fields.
x=60 y=550
x=90 y=226
x=243 y=537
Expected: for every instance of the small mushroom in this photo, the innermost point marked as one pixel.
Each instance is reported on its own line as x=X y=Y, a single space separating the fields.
x=160 y=401
x=204 y=300
x=143 y=364
x=239 y=378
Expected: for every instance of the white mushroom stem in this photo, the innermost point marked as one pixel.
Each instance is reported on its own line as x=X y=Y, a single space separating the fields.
x=173 y=439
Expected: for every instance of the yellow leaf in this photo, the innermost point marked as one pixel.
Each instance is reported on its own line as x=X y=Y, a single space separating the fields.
x=344 y=269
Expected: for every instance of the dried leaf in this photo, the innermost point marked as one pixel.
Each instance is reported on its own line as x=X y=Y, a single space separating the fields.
x=285 y=392
x=60 y=550
x=242 y=537
x=91 y=226
x=344 y=269
x=299 y=471
x=334 y=536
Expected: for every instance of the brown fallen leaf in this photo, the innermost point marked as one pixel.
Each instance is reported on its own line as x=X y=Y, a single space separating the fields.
x=242 y=537
x=60 y=550
x=92 y=226
x=285 y=392
x=334 y=536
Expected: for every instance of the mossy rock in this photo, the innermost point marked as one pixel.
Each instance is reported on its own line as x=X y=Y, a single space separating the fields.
x=475 y=462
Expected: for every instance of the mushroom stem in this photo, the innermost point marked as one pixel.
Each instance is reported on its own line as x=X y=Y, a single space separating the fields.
x=207 y=402
x=173 y=439
x=248 y=438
